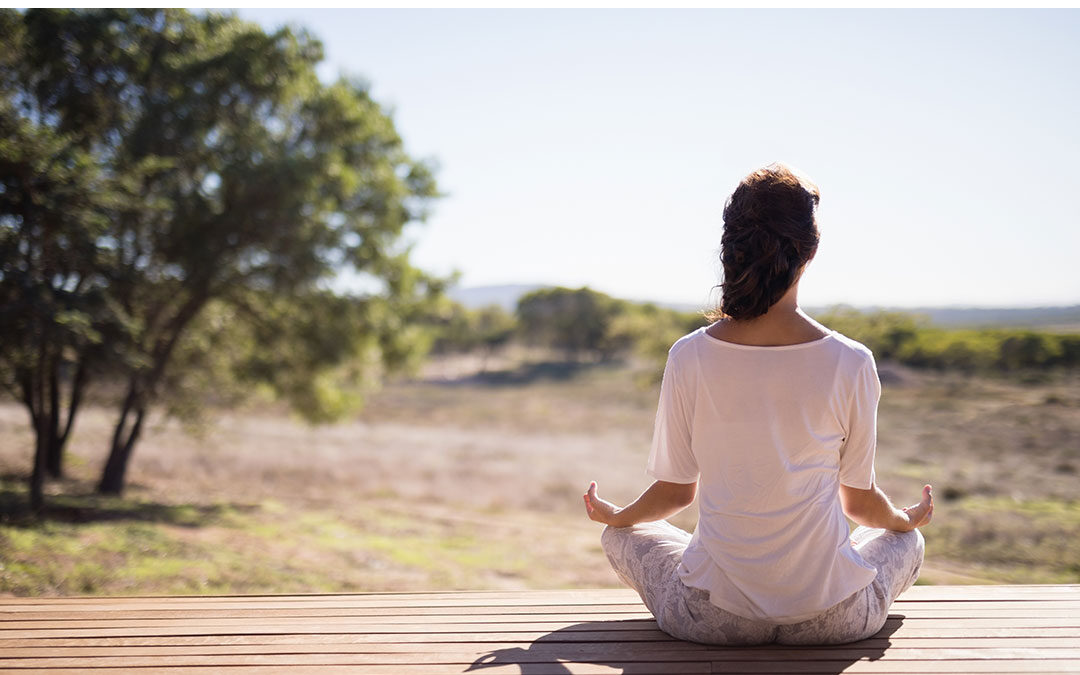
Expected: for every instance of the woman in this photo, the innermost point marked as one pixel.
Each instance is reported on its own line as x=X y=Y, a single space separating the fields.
x=772 y=418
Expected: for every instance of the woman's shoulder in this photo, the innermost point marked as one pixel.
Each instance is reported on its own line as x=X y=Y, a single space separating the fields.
x=685 y=341
x=853 y=351
x=679 y=354
x=690 y=337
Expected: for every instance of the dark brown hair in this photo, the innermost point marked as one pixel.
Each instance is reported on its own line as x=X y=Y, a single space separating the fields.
x=770 y=232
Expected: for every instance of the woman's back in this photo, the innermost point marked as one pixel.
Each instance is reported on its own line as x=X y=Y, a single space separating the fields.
x=770 y=419
x=769 y=432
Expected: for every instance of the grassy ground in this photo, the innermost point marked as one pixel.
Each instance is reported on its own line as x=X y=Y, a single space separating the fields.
x=463 y=481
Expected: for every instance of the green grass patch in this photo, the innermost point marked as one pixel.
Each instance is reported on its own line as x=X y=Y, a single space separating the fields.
x=1014 y=541
x=91 y=544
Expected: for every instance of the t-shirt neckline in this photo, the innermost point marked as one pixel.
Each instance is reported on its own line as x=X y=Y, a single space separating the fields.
x=735 y=345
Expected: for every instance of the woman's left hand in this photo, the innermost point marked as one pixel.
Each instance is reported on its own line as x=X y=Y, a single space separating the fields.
x=600 y=510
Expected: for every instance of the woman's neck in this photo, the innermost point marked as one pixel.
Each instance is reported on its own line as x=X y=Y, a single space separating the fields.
x=784 y=324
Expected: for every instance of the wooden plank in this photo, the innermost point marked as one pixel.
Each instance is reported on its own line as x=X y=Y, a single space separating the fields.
x=558 y=622
x=521 y=608
x=413 y=624
x=824 y=667
x=603 y=594
x=990 y=591
x=495 y=599
x=1068 y=616
x=425 y=618
x=211 y=613
x=420 y=613
x=859 y=667
x=329 y=639
x=874 y=644
x=684 y=668
x=476 y=623
x=1062 y=636
x=561 y=653
x=987 y=667
x=316 y=628
x=466 y=594
x=290 y=661
x=587 y=612
x=556 y=595
x=524 y=599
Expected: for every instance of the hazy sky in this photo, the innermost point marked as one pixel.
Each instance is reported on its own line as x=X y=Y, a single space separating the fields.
x=598 y=147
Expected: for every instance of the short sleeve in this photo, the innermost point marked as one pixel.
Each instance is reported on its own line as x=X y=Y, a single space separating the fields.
x=860 y=441
x=672 y=458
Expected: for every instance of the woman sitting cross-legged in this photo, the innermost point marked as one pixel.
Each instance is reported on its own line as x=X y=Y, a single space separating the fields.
x=770 y=418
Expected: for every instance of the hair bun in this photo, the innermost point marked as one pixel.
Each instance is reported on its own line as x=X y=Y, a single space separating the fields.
x=770 y=232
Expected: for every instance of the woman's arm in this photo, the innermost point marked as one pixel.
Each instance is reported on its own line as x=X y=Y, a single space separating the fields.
x=872 y=508
x=661 y=500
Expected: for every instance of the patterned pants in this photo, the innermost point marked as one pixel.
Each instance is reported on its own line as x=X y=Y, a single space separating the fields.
x=647 y=556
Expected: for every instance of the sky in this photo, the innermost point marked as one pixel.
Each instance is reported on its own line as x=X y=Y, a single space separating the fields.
x=597 y=147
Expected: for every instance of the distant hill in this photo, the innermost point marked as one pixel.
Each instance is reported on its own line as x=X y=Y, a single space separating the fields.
x=505 y=296
x=1060 y=318
x=1065 y=318
x=1022 y=316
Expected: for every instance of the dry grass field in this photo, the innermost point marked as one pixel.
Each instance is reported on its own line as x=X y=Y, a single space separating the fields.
x=459 y=479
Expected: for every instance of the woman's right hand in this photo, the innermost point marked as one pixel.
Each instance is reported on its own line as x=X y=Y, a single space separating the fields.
x=921 y=513
x=600 y=510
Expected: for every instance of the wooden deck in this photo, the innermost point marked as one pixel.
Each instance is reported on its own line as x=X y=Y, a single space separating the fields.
x=943 y=629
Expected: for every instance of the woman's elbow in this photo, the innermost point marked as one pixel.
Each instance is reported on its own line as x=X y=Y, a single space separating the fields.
x=860 y=516
x=685 y=495
x=857 y=504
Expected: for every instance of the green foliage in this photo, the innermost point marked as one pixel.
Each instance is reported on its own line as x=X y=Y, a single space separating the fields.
x=582 y=323
x=495 y=326
x=577 y=321
x=910 y=340
x=320 y=352
x=158 y=168
x=651 y=330
x=460 y=329
x=885 y=333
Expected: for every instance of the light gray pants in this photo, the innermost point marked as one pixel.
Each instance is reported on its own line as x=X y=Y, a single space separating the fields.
x=647 y=556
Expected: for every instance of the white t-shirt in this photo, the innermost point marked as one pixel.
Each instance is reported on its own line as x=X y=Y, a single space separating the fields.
x=770 y=433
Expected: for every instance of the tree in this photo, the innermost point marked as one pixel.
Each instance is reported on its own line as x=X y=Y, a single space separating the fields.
x=494 y=328
x=214 y=169
x=577 y=321
x=50 y=194
x=454 y=329
x=651 y=330
x=888 y=333
x=459 y=329
x=56 y=204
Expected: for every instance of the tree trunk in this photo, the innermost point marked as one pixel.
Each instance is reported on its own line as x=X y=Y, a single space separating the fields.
x=141 y=388
x=58 y=439
x=37 y=476
x=54 y=458
x=112 y=478
x=34 y=395
x=53 y=449
x=37 y=473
